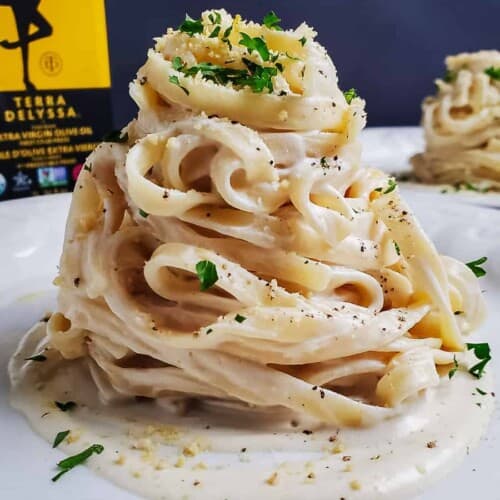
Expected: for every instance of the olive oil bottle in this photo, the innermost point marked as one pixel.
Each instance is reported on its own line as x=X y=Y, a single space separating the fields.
x=55 y=102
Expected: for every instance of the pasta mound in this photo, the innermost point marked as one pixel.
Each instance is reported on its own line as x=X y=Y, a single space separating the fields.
x=231 y=249
x=461 y=124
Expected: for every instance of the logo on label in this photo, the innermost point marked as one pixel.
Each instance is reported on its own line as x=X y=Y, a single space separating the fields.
x=31 y=26
x=49 y=177
x=22 y=182
x=3 y=184
x=51 y=63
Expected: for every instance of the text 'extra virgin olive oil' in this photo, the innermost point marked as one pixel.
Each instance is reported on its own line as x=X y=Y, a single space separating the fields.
x=55 y=102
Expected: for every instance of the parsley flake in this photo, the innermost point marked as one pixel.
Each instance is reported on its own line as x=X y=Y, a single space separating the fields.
x=177 y=63
x=391 y=186
x=60 y=437
x=466 y=186
x=207 y=274
x=396 y=246
x=175 y=80
x=116 y=136
x=225 y=36
x=482 y=352
x=481 y=392
x=303 y=41
x=271 y=21
x=191 y=26
x=475 y=266
x=493 y=72
x=450 y=76
x=257 y=43
x=36 y=357
x=452 y=372
x=215 y=32
x=239 y=318
x=69 y=463
x=350 y=95
x=215 y=17
x=69 y=405
x=142 y=213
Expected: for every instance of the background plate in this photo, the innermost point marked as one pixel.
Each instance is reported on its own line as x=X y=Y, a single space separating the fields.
x=390 y=150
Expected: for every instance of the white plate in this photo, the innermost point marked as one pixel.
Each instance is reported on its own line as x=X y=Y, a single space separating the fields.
x=31 y=235
x=390 y=149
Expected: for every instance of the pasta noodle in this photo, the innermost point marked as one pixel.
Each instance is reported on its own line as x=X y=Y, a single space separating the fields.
x=328 y=297
x=461 y=124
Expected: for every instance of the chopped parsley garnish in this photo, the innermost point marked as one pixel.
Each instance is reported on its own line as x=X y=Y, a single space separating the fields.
x=391 y=186
x=272 y=21
x=239 y=318
x=454 y=369
x=493 y=72
x=116 y=136
x=207 y=274
x=259 y=77
x=213 y=72
x=215 y=17
x=482 y=352
x=36 y=357
x=466 y=186
x=255 y=76
x=450 y=76
x=257 y=43
x=191 y=26
x=350 y=95
x=303 y=41
x=88 y=168
x=69 y=463
x=215 y=32
x=61 y=436
x=175 y=80
x=324 y=163
x=142 y=213
x=69 y=405
x=475 y=266
x=396 y=246
x=481 y=392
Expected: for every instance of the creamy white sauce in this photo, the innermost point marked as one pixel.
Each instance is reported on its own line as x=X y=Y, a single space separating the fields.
x=214 y=455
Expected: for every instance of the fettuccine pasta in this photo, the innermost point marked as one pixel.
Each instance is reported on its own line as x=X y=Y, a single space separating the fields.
x=461 y=123
x=231 y=249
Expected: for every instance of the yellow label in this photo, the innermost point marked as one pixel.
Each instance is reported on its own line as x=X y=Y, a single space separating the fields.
x=53 y=44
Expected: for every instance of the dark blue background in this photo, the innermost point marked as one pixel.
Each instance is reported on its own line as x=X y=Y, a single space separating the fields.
x=390 y=50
